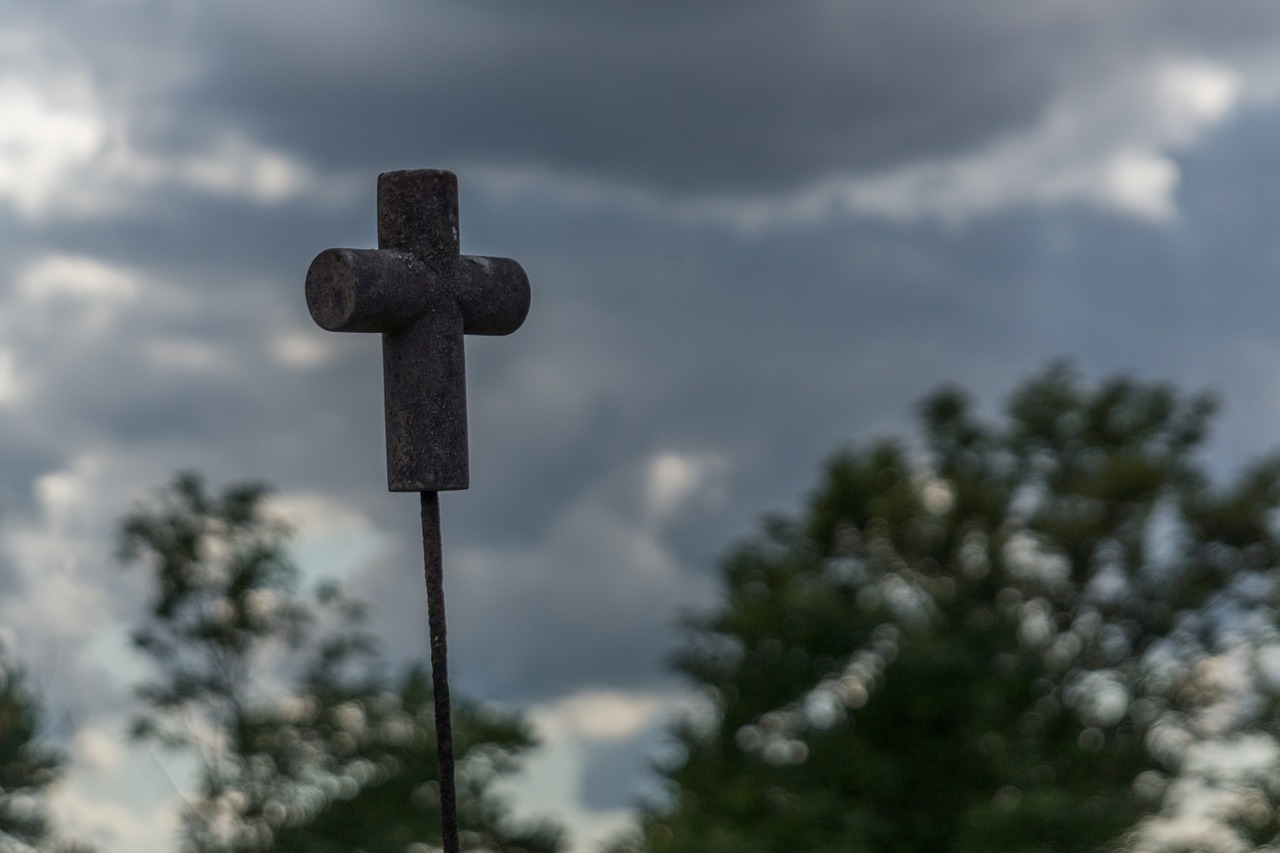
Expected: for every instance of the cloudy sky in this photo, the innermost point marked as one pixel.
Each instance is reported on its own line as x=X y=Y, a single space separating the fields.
x=755 y=231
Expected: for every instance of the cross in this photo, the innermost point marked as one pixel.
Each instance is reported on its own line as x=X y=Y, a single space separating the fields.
x=423 y=296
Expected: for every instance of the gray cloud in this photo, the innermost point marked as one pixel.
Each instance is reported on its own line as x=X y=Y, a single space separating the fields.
x=713 y=98
x=680 y=374
x=608 y=780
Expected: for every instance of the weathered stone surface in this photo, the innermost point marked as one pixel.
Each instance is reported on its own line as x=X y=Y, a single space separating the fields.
x=423 y=296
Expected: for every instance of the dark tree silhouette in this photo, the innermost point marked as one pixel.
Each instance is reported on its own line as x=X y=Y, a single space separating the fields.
x=1018 y=637
x=28 y=765
x=306 y=740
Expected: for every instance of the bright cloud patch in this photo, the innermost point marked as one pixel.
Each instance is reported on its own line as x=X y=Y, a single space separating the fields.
x=63 y=150
x=98 y=750
x=300 y=350
x=12 y=388
x=674 y=478
x=1108 y=143
x=82 y=811
x=332 y=540
x=601 y=714
x=236 y=167
x=54 y=276
x=53 y=554
x=569 y=728
x=77 y=296
x=1107 y=146
x=232 y=166
x=47 y=132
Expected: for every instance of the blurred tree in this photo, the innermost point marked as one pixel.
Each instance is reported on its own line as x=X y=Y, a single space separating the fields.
x=28 y=766
x=1053 y=634
x=306 y=741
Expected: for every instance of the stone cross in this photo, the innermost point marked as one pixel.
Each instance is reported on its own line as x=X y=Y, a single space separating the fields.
x=423 y=296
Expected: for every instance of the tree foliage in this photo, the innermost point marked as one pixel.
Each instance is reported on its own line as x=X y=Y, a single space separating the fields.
x=1051 y=633
x=306 y=740
x=28 y=765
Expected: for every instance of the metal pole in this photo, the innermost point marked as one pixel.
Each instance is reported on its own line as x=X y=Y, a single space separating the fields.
x=434 y=570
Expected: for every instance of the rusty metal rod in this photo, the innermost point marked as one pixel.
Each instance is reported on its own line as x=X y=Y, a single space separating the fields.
x=434 y=569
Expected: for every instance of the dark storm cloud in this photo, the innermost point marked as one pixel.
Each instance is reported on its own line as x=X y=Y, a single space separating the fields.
x=645 y=337
x=714 y=97
x=774 y=352
x=679 y=99
x=765 y=355
x=754 y=97
x=744 y=355
x=704 y=97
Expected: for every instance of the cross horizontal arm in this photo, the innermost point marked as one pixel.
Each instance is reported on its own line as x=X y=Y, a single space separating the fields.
x=380 y=290
x=367 y=290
